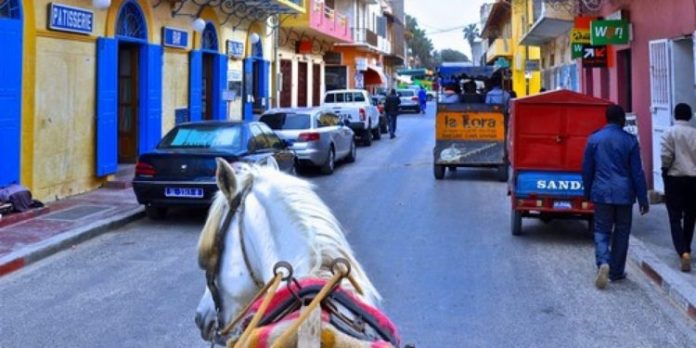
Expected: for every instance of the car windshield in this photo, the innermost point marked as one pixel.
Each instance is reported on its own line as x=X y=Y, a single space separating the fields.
x=204 y=136
x=285 y=121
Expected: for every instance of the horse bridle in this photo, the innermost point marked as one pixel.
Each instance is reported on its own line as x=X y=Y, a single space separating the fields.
x=236 y=206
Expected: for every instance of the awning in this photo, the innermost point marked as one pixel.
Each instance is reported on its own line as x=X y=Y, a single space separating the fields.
x=546 y=29
x=374 y=76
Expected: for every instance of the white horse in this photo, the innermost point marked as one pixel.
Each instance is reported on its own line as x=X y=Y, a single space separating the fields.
x=281 y=219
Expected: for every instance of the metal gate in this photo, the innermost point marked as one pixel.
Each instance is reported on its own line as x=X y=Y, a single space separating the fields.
x=660 y=101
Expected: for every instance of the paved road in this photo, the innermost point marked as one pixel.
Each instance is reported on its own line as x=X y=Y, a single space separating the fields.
x=439 y=251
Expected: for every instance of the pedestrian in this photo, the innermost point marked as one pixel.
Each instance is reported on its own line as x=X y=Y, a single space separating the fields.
x=422 y=99
x=391 y=108
x=679 y=175
x=613 y=178
x=497 y=95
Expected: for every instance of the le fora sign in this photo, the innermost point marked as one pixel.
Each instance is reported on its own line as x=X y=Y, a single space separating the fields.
x=609 y=32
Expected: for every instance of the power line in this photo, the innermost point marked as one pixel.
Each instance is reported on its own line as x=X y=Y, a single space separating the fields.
x=446 y=30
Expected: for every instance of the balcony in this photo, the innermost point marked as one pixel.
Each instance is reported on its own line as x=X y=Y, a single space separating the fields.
x=499 y=48
x=550 y=23
x=365 y=36
x=384 y=45
x=323 y=21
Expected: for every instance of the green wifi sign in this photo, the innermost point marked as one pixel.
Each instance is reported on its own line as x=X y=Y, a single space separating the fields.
x=609 y=32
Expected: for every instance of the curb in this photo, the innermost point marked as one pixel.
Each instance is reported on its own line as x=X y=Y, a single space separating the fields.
x=682 y=294
x=33 y=253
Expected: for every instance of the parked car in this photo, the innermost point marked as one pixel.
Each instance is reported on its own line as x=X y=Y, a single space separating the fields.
x=318 y=136
x=180 y=171
x=356 y=106
x=378 y=101
x=409 y=100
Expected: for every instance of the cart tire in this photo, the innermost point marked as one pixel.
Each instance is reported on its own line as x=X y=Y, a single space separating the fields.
x=502 y=173
x=438 y=171
x=516 y=222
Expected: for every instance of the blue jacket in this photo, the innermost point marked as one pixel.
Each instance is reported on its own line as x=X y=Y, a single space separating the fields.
x=422 y=95
x=612 y=171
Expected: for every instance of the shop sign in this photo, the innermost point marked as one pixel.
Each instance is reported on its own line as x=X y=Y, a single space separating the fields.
x=594 y=56
x=172 y=37
x=70 y=19
x=359 y=80
x=304 y=47
x=475 y=126
x=235 y=49
x=609 y=32
x=234 y=75
x=581 y=36
x=576 y=50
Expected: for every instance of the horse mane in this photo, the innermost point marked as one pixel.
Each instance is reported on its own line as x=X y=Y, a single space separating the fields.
x=323 y=233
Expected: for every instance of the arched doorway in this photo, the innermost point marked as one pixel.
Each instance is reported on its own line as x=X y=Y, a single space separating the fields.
x=10 y=90
x=129 y=90
x=207 y=78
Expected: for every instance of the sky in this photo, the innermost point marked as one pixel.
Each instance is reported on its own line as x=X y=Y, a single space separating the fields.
x=441 y=15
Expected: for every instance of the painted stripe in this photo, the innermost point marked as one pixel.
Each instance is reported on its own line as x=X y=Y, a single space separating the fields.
x=11 y=266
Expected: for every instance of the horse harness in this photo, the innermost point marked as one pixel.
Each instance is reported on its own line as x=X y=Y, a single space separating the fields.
x=236 y=206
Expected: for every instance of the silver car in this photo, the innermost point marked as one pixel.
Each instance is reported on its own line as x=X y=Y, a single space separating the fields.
x=409 y=99
x=318 y=136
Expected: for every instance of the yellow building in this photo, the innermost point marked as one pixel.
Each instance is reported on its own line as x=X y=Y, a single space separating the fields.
x=507 y=22
x=88 y=89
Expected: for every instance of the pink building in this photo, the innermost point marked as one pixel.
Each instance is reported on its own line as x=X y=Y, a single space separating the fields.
x=651 y=74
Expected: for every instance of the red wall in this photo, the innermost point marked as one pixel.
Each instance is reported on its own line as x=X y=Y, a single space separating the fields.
x=652 y=20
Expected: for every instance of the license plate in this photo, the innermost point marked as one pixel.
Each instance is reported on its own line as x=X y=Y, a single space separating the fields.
x=562 y=205
x=187 y=192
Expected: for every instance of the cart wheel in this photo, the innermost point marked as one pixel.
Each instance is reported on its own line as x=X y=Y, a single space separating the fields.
x=438 y=171
x=502 y=173
x=516 y=222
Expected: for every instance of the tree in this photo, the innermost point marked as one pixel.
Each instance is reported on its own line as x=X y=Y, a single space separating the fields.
x=471 y=32
x=420 y=45
x=449 y=55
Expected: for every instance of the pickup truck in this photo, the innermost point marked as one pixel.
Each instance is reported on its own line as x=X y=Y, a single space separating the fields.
x=356 y=108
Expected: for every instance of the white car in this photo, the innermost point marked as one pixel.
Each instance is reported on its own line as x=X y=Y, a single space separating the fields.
x=355 y=105
x=318 y=136
x=409 y=99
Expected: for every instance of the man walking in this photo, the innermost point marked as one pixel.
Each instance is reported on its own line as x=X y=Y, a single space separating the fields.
x=679 y=174
x=613 y=178
x=391 y=108
x=422 y=99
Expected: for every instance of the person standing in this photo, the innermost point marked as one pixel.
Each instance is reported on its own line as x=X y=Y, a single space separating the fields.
x=422 y=99
x=679 y=174
x=391 y=108
x=613 y=178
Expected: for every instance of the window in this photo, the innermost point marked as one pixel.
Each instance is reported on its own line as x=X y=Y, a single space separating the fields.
x=328 y=120
x=210 y=39
x=203 y=136
x=258 y=141
x=272 y=139
x=330 y=98
x=10 y=9
x=131 y=22
x=281 y=121
x=358 y=97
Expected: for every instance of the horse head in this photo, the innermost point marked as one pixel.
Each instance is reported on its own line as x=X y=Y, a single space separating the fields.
x=261 y=216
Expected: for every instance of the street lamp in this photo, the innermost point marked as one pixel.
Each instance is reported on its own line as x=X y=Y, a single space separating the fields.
x=198 y=25
x=101 y=4
x=254 y=38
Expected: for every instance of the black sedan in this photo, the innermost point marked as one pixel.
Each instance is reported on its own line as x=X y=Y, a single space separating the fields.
x=180 y=171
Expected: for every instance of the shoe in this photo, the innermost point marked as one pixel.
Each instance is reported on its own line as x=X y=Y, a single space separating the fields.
x=617 y=278
x=602 y=276
x=686 y=262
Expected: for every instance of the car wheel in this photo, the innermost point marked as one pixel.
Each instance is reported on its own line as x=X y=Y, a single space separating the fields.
x=353 y=152
x=516 y=222
x=367 y=136
x=376 y=133
x=330 y=164
x=155 y=213
x=438 y=171
x=383 y=126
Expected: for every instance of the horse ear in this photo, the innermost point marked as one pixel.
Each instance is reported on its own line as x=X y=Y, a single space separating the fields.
x=226 y=180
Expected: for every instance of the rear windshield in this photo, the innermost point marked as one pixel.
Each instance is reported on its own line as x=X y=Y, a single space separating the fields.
x=407 y=93
x=346 y=97
x=227 y=137
x=282 y=120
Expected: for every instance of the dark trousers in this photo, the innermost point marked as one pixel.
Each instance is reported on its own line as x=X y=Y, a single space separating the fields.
x=680 y=198
x=612 y=228
x=392 y=123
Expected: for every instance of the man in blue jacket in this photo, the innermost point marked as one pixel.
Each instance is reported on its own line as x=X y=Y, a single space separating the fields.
x=613 y=178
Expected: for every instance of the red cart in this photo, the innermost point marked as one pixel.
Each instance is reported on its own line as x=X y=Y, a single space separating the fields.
x=547 y=142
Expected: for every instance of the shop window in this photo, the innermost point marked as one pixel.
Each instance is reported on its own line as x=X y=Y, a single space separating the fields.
x=10 y=9
x=210 y=39
x=131 y=22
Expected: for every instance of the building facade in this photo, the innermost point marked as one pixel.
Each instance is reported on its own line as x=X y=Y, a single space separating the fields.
x=89 y=89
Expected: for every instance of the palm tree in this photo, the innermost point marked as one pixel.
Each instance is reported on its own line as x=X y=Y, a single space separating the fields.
x=471 y=32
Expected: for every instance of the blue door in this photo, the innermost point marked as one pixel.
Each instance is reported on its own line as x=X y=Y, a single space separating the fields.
x=219 y=85
x=107 y=106
x=151 y=100
x=10 y=97
x=195 y=85
x=248 y=94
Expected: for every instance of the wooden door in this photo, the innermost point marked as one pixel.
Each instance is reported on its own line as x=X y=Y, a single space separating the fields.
x=301 y=84
x=286 y=91
x=128 y=56
x=207 y=87
x=316 y=84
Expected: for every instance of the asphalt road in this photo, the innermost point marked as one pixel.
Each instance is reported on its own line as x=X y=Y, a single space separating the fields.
x=439 y=251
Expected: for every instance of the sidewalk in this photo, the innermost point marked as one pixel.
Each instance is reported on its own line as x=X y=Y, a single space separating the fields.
x=33 y=235
x=651 y=249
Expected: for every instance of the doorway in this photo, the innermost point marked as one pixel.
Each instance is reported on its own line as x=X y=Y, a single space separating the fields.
x=286 y=91
x=10 y=91
x=207 y=87
x=128 y=92
x=316 y=84
x=302 y=84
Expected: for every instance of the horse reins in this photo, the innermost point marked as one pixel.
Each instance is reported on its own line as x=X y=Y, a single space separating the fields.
x=236 y=206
